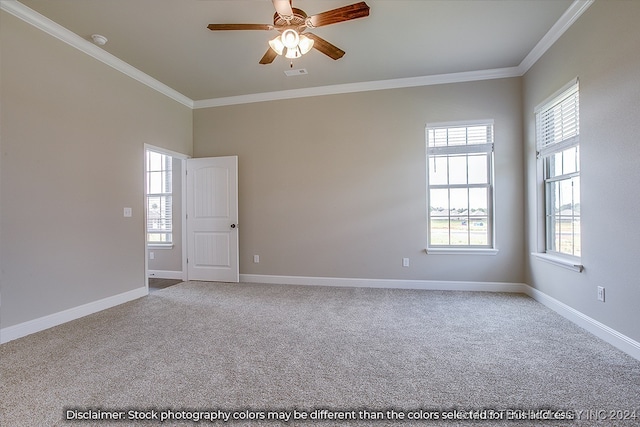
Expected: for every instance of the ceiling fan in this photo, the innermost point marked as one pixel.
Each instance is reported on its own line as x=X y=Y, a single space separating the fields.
x=292 y=24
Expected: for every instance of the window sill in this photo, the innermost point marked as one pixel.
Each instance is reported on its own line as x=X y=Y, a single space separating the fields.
x=160 y=246
x=573 y=265
x=461 y=251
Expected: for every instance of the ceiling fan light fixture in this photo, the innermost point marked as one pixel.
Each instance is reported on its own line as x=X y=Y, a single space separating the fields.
x=305 y=44
x=290 y=38
x=293 y=53
x=277 y=45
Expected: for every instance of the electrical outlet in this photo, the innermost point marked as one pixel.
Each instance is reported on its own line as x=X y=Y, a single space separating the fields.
x=405 y=262
x=600 y=293
x=256 y=259
x=127 y=212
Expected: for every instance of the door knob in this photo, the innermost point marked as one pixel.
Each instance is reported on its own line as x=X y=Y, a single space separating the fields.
x=233 y=226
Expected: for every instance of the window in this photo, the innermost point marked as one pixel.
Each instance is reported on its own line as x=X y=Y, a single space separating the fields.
x=557 y=134
x=460 y=180
x=159 y=198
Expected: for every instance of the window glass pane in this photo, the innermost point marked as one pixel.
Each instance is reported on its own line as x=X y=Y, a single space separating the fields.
x=565 y=238
x=155 y=161
x=478 y=202
x=159 y=238
x=459 y=201
x=154 y=213
x=479 y=230
x=458 y=169
x=478 y=216
x=438 y=171
x=478 y=169
x=566 y=198
x=459 y=229
x=439 y=231
x=563 y=218
x=554 y=165
x=439 y=212
x=155 y=182
x=439 y=202
x=570 y=160
x=563 y=163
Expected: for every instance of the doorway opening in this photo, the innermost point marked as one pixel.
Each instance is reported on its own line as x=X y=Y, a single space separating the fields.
x=164 y=191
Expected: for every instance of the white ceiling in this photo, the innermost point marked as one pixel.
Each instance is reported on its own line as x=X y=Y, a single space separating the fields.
x=401 y=39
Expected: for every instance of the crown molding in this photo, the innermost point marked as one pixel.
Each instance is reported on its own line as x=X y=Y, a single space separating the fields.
x=577 y=8
x=468 y=76
x=56 y=30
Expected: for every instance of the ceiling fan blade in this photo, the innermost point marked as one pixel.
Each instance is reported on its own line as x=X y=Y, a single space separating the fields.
x=225 y=27
x=268 y=57
x=325 y=47
x=341 y=14
x=283 y=7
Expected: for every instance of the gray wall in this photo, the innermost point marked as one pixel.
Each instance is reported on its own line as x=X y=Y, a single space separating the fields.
x=601 y=48
x=73 y=134
x=334 y=186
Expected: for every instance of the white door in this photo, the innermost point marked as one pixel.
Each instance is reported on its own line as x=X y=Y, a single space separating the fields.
x=212 y=219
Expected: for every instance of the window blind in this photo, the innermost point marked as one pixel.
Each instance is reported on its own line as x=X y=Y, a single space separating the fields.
x=471 y=138
x=557 y=122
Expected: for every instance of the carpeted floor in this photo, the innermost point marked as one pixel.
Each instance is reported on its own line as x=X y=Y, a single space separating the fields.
x=377 y=355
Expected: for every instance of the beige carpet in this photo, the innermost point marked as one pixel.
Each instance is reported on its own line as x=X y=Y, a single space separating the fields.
x=210 y=350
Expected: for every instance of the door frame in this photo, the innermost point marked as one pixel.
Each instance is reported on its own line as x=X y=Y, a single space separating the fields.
x=183 y=207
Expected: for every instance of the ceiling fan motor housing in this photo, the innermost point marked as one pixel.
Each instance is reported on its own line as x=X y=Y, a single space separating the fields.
x=298 y=20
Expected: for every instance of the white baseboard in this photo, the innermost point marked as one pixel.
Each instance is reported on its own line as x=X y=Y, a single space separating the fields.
x=613 y=337
x=165 y=274
x=433 y=285
x=20 y=330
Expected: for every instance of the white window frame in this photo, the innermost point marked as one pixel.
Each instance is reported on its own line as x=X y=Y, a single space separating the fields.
x=167 y=195
x=457 y=150
x=557 y=135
